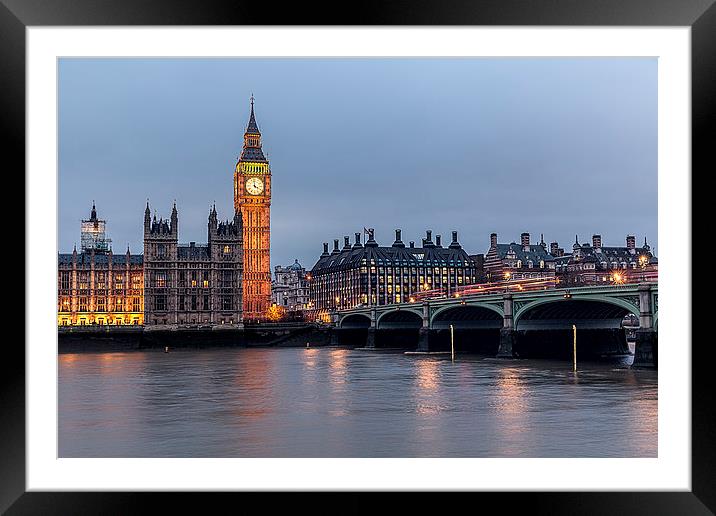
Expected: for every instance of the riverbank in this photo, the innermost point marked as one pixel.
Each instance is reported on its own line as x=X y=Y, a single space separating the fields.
x=101 y=339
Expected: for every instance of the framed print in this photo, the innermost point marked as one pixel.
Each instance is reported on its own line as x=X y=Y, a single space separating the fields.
x=421 y=253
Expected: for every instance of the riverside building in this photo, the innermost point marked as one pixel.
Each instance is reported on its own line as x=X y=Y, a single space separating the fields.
x=97 y=287
x=289 y=288
x=369 y=274
x=193 y=284
x=596 y=264
x=518 y=261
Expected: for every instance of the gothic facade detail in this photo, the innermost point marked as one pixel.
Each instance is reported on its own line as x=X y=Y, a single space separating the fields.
x=193 y=284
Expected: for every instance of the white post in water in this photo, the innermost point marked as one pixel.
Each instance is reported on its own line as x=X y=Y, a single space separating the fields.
x=452 y=344
x=574 y=351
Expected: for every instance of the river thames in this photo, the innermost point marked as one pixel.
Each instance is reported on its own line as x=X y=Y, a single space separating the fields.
x=332 y=402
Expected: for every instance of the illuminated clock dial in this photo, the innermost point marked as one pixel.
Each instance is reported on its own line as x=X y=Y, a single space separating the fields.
x=254 y=185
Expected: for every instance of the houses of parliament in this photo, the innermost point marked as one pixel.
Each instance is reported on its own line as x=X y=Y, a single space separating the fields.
x=218 y=284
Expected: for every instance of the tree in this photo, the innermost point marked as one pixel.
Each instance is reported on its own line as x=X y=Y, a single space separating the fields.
x=275 y=313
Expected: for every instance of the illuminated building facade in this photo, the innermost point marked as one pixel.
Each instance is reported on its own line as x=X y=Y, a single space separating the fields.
x=596 y=264
x=190 y=284
x=252 y=198
x=518 y=261
x=97 y=287
x=370 y=274
x=290 y=287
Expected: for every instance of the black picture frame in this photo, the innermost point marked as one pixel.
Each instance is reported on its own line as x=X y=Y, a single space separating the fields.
x=700 y=15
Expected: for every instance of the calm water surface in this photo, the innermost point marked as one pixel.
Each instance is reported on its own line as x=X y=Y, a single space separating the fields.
x=329 y=402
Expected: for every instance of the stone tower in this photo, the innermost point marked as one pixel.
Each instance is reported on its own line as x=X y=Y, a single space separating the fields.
x=252 y=199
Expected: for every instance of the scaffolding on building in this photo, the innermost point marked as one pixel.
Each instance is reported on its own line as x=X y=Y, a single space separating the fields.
x=93 y=235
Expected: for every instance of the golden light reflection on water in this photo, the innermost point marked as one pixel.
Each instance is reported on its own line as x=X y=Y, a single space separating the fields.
x=67 y=360
x=511 y=404
x=428 y=374
x=338 y=372
x=338 y=365
x=427 y=380
x=252 y=380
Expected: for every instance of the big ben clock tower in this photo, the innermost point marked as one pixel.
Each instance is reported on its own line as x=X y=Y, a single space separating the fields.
x=252 y=197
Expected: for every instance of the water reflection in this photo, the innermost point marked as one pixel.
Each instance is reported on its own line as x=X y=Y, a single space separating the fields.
x=328 y=402
x=510 y=405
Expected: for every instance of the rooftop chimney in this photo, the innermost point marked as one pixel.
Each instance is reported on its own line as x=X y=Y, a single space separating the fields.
x=412 y=244
x=428 y=241
x=597 y=243
x=325 y=249
x=357 y=244
x=525 y=241
x=438 y=238
x=398 y=242
x=493 y=240
x=346 y=243
x=454 y=244
x=553 y=248
x=335 y=247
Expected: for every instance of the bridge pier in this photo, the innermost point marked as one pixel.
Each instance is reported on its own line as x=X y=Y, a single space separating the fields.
x=646 y=347
x=333 y=339
x=508 y=335
x=370 y=338
x=508 y=339
x=423 y=339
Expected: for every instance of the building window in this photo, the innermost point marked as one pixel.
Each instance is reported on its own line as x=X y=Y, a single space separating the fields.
x=65 y=280
x=160 y=279
x=227 y=249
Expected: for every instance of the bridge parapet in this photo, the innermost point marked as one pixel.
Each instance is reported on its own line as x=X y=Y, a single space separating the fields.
x=637 y=299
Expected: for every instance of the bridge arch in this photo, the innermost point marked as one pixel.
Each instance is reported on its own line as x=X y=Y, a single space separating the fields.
x=467 y=316
x=399 y=319
x=603 y=311
x=354 y=321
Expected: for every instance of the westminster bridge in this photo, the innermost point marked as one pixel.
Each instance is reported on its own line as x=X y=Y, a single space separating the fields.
x=513 y=324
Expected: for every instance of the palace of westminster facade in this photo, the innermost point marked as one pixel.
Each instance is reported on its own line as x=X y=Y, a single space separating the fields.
x=218 y=284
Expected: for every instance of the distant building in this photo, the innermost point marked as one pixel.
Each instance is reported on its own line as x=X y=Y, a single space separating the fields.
x=190 y=284
x=518 y=261
x=97 y=287
x=289 y=288
x=370 y=274
x=596 y=264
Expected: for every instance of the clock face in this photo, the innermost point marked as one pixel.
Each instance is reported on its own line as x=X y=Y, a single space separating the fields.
x=254 y=185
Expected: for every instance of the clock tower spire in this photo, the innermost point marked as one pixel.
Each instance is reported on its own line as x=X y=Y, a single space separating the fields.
x=252 y=198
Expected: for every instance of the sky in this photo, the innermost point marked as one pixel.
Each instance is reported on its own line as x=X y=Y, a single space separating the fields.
x=553 y=146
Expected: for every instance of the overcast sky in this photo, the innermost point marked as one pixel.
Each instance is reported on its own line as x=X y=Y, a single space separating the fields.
x=562 y=147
